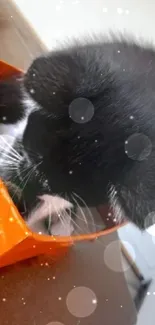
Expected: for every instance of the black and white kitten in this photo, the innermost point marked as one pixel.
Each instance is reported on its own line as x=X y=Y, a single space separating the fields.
x=83 y=121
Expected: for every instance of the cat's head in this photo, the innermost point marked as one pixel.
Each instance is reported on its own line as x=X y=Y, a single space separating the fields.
x=79 y=107
x=61 y=143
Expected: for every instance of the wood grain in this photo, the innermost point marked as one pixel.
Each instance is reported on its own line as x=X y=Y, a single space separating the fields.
x=19 y=43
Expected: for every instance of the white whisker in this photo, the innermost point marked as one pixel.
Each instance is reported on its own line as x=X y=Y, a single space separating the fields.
x=50 y=217
x=89 y=223
x=29 y=175
x=9 y=146
x=23 y=179
x=84 y=217
x=90 y=214
x=86 y=206
x=8 y=163
x=59 y=214
x=62 y=218
x=10 y=167
x=77 y=226
x=4 y=155
x=4 y=151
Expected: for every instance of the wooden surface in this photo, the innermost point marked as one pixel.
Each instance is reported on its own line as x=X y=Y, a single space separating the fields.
x=18 y=42
x=36 y=292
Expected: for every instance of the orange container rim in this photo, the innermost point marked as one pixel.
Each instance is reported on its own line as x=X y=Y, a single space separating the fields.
x=60 y=239
x=82 y=237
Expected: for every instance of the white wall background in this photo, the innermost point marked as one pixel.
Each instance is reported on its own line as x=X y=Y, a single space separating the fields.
x=56 y=20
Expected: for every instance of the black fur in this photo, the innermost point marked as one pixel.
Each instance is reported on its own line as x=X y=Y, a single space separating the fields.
x=11 y=105
x=119 y=79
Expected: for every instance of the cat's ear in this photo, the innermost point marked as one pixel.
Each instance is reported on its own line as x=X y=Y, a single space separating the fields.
x=50 y=82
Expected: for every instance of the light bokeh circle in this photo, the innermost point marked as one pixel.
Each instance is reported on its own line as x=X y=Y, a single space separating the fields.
x=81 y=302
x=138 y=146
x=111 y=256
x=81 y=110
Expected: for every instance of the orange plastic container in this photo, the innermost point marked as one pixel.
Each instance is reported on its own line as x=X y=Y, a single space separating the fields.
x=17 y=242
